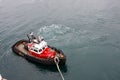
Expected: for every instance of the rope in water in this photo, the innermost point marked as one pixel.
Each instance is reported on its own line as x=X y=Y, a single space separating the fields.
x=56 y=60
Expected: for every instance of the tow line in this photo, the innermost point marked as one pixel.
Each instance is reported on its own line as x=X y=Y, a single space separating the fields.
x=56 y=60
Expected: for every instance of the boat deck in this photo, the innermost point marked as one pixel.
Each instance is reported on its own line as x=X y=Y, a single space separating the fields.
x=21 y=48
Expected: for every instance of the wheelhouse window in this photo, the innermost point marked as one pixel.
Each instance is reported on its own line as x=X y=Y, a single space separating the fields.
x=43 y=48
x=35 y=50
x=40 y=50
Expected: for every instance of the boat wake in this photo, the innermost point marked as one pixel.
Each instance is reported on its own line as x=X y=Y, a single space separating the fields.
x=71 y=36
x=54 y=31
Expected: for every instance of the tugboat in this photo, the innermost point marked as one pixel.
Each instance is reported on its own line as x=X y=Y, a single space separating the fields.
x=36 y=49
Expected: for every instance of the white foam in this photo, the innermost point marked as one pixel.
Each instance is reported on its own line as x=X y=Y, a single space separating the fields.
x=53 y=31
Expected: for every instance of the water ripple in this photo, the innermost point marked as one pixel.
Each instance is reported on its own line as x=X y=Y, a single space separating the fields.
x=54 y=31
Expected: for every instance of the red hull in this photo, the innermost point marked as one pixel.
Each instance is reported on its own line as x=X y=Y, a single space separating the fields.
x=46 y=57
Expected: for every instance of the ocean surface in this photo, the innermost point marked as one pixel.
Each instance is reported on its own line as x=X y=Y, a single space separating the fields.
x=88 y=32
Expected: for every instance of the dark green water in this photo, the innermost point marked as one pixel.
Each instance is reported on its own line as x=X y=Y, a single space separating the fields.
x=88 y=31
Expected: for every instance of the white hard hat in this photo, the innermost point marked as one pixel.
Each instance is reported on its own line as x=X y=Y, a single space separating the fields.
x=31 y=33
x=35 y=41
x=42 y=38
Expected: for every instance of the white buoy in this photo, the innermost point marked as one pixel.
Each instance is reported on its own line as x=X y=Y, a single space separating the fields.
x=2 y=78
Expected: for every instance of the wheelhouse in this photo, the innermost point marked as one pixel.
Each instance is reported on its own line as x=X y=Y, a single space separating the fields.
x=38 y=48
